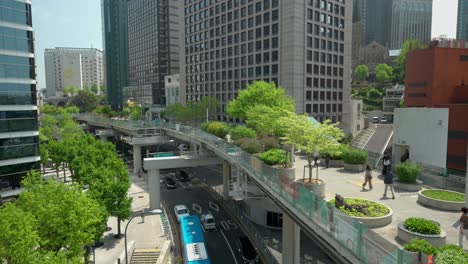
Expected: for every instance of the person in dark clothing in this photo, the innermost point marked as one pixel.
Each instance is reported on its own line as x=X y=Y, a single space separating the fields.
x=405 y=156
x=463 y=226
x=327 y=160
x=386 y=164
x=388 y=180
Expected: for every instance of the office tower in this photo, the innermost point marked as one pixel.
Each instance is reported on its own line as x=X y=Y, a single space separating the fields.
x=411 y=19
x=115 y=38
x=78 y=67
x=153 y=29
x=304 y=46
x=19 y=140
x=462 y=20
x=376 y=17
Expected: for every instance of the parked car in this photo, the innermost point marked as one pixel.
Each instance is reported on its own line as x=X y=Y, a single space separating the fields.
x=184 y=176
x=383 y=121
x=247 y=250
x=180 y=211
x=375 y=119
x=208 y=222
x=170 y=183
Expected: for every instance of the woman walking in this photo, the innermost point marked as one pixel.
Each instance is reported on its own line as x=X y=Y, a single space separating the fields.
x=388 y=180
x=463 y=226
x=367 y=178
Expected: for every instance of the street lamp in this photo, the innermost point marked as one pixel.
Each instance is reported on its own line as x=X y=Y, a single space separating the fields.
x=142 y=214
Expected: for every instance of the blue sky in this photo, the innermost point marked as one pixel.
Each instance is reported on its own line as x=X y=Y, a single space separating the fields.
x=72 y=23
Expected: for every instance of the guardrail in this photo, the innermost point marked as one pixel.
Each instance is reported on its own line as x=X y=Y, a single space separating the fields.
x=363 y=243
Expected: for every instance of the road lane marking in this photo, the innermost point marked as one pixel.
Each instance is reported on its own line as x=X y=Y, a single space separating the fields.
x=230 y=248
x=231 y=224
x=214 y=206
x=225 y=225
x=197 y=208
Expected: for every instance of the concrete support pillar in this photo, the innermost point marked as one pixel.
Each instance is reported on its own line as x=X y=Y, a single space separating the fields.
x=226 y=176
x=154 y=189
x=291 y=241
x=136 y=158
x=193 y=147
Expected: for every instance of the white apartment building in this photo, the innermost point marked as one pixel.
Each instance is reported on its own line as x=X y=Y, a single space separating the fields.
x=80 y=67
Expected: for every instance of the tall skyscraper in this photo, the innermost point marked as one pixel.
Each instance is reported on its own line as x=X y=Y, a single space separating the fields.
x=115 y=38
x=462 y=20
x=153 y=29
x=304 y=46
x=79 y=67
x=376 y=17
x=19 y=140
x=411 y=19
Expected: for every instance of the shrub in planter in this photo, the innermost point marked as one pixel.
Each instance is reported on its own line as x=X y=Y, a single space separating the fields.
x=449 y=247
x=249 y=145
x=338 y=154
x=274 y=157
x=239 y=132
x=373 y=209
x=218 y=129
x=407 y=172
x=422 y=226
x=420 y=245
x=269 y=143
x=355 y=156
x=450 y=256
x=204 y=126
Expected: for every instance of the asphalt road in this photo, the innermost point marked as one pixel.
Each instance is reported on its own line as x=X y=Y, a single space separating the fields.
x=221 y=244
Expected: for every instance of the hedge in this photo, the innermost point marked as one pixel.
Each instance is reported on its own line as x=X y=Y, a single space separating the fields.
x=355 y=156
x=274 y=157
x=422 y=226
x=239 y=132
x=407 y=172
x=218 y=129
x=420 y=245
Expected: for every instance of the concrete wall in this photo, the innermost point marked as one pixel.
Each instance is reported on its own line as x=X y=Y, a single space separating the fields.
x=357 y=118
x=424 y=132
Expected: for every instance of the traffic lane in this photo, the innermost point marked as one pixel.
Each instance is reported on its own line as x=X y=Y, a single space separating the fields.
x=210 y=175
x=221 y=243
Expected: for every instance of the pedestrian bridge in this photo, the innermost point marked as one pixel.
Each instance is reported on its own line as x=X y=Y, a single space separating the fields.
x=345 y=240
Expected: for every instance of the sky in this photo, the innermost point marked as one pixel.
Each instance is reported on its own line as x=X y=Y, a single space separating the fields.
x=71 y=23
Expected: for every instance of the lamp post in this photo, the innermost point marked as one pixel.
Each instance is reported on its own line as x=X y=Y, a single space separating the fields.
x=152 y=212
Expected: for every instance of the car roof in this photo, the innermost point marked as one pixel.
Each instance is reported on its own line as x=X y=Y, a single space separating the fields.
x=207 y=216
x=180 y=206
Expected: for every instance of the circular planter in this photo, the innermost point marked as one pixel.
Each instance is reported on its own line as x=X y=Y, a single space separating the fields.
x=354 y=167
x=372 y=222
x=435 y=240
x=440 y=204
x=317 y=188
x=415 y=256
x=335 y=163
x=410 y=187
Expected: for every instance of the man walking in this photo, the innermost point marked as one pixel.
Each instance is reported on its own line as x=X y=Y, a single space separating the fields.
x=388 y=180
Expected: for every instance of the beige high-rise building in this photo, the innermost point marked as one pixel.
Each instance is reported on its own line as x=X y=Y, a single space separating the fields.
x=79 y=67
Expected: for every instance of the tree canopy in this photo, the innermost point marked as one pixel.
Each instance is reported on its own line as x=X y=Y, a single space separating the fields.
x=85 y=100
x=383 y=73
x=400 y=61
x=193 y=111
x=361 y=73
x=267 y=120
x=259 y=93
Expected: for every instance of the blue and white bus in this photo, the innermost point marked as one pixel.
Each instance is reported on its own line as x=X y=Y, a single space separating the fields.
x=193 y=242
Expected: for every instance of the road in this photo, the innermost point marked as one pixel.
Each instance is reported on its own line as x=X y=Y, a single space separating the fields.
x=221 y=244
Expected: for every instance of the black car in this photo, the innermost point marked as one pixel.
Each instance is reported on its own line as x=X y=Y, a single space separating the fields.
x=247 y=250
x=184 y=176
x=170 y=183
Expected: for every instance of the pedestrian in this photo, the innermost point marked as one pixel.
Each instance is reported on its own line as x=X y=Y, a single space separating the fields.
x=405 y=157
x=327 y=160
x=388 y=180
x=463 y=226
x=367 y=178
x=143 y=215
x=386 y=165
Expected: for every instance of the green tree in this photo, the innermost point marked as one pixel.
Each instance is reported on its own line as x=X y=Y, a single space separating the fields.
x=361 y=73
x=18 y=235
x=383 y=73
x=70 y=91
x=312 y=138
x=267 y=121
x=95 y=89
x=239 y=132
x=259 y=93
x=48 y=129
x=400 y=61
x=85 y=100
x=66 y=217
x=44 y=151
x=56 y=155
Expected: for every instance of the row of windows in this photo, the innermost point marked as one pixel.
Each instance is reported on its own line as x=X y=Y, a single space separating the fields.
x=324 y=96
x=229 y=5
x=329 y=71
x=22 y=15
x=225 y=86
x=324 y=108
x=16 y=44
x=18 y=115
x=13 y=173
x=18 y=125
x=17 y=98
x=16 y=152
x=235 y=74
x=17 y=71
x=9 y=142
x=13 y=32
x=17 y=87
x=323 y=83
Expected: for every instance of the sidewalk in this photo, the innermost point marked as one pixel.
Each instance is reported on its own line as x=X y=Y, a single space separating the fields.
x=405 y=205
x=146 y=235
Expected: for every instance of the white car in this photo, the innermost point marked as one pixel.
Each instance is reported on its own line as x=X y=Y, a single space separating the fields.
x=208 y=222
x=180 y=211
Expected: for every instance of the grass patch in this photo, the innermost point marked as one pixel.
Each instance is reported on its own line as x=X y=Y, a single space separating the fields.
x=374 y=209
x=444 y=195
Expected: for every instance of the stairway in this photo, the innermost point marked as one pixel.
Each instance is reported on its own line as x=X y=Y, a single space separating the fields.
x=361 y=140
x=145 y=256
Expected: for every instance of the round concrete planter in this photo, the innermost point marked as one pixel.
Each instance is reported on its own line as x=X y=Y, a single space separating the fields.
x=317 y=188
x=372 y=222
x=440 y=204
x=409 y=187
x=335 y=163
x=435 y=240
x=354 y=167
x=415 y=257
x=289 y=172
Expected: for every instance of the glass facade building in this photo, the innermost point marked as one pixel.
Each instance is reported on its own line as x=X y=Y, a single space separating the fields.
x=153 y=47
x=115 y=38
x=303 y=46
x=19 y=141
x=462 y=20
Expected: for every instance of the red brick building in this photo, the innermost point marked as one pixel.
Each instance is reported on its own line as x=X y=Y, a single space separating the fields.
x=438 y=77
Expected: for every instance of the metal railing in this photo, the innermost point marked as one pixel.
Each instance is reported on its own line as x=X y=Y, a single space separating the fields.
x=363 y=243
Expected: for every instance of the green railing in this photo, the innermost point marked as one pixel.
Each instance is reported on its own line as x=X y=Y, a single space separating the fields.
x=363 y=243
